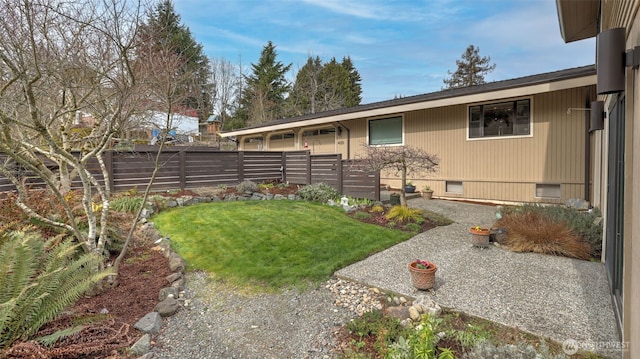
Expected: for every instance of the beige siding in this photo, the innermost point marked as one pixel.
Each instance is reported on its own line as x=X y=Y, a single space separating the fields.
x=494 y=169
x=504 y=169
x=319 y=143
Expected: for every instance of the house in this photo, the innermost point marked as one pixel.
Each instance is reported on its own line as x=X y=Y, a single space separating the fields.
x=616 y=147
x=520 y=140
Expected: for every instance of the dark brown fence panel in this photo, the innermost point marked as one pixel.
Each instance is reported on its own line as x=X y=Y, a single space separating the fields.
x=296 y=167
x=358 y=182
x=212 y=168
x=5 y=184
x=188 y=167
x=325 y=169
x=262 y=166
x=134 y=169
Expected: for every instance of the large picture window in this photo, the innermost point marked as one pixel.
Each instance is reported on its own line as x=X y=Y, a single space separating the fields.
x=386 y=131
x=512 y=118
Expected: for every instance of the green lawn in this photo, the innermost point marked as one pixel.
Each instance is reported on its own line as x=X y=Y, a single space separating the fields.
x=275 y=243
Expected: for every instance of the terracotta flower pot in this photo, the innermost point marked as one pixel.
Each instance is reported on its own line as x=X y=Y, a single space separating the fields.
x=480 y=237
x=423 y=278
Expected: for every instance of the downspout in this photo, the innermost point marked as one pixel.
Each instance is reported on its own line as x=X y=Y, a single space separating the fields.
x=348 y=139
x=587 y=146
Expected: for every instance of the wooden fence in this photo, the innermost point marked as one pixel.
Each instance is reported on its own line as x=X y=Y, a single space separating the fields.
x=193 y=167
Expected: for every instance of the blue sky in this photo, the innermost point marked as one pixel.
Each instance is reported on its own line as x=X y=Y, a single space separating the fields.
x=401 y=47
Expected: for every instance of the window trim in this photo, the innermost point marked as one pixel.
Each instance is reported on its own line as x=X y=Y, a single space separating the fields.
x=402 y=124
x=496 y=102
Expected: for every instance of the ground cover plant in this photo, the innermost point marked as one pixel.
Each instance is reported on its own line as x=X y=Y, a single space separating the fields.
x=555 y=230
x=272 y=243
x=451 y=335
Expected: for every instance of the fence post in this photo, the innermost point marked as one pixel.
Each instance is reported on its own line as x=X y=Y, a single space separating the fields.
x=240 y=166
x=283 y=167
x=183 y=169
x=308 y=167
x=339 y=164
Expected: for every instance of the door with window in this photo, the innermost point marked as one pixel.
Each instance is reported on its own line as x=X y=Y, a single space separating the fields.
x=615 y=204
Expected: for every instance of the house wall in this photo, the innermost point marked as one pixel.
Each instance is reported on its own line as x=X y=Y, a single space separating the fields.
x=628 y=17
x=490 y=169
x=499 y=169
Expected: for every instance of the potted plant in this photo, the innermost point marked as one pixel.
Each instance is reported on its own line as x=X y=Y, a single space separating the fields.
x=480 y=236
x=427 y=192
x=410 y=187
x=423 y=274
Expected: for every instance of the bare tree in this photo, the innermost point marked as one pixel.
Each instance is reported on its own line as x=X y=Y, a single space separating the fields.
x=404 y=160
x=226 y=82
x=65 y=61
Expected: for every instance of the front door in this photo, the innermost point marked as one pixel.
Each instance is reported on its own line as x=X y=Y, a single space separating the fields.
x=615 y=204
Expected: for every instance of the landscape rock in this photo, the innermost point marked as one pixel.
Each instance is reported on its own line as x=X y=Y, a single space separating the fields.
x=174 y=277
x=167 y=307
x=398 y=312
x=577 y=203
x=179 y=284
x=142 y=346
x=176 y=263
x=278 y=197
x=414 y=314
x=165 y=292
x=150 y=323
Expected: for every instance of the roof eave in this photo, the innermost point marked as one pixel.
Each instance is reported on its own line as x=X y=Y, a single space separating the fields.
x=578 y=19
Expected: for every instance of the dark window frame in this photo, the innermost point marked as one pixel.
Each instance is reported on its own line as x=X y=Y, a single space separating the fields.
x=378 y=124
x=500 y=119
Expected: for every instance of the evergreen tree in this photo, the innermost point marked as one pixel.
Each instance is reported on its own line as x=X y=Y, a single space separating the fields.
x=354 y=94
x=266 y=87
x=471 y=69
x=335 y=86
x=323 y=87
x=303 y=96
x=162 y=32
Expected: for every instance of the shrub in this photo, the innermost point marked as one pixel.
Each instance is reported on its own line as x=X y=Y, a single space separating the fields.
x=40 y=279
x=377 y=209
x=436 y=218
x=360 y=215
x=129 y=204
x=247 y=186
x=404 y=214
x=318 y=192
x=532 y=229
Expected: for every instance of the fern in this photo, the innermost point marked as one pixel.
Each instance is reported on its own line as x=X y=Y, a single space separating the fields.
x=40 y=279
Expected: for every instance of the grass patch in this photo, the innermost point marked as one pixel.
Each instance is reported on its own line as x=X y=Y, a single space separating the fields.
x=273 y=243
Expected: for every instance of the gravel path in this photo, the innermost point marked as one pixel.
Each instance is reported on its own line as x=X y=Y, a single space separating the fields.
x=220 y=322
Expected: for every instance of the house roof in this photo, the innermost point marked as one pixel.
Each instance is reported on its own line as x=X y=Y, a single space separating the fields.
x=578 y=19
x=551 y=81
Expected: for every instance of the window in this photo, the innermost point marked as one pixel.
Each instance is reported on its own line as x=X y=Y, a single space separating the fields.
x=387 y=131
x=454 y=187
x=545 y=190
x=512 y=118
x=323 y=131
x=282 y=136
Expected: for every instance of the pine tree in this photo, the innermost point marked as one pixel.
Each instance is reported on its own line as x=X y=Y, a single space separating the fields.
x=354 y=94
x=266 y=88
x=471 y=69
x=324 y=87
x=163 y=31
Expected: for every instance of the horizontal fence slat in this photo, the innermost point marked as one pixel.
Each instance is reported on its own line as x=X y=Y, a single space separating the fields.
x=192 y=167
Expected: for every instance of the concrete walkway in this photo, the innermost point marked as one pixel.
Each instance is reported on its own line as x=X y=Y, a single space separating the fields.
x=556 y=297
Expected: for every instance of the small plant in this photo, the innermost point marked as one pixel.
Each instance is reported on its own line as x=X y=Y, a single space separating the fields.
x=546 y=230
x=318 y=192
x=436 y=218
x=404 y=214
x=410 y=184
x=427 y=188
x=422 y=264
x=377 y=209
x=247 y=186
x=412 y=227
x=266 y=185
x=360 y=215
x=127 y=204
